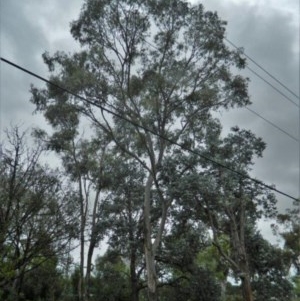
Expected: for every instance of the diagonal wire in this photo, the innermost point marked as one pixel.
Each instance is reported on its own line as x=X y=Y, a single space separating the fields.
x=252 y=111
x=254 y=72
x=182 y=146
x=272 y=124
x=262 y=68
x=271 y=85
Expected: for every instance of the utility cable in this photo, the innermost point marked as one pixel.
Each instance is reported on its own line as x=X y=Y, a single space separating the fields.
x=259 y=76
x=182 y=146
x=252 y=111
x=271 y=85
x=262 y=68
x=273 y=124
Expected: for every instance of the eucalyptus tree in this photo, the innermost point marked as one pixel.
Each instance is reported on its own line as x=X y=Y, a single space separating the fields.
x=111 y=280
x=269 y=268
x=291 y=233
x=183 y=273
x=37 y=217
x=239 y=201
x=229 y=204
x=45 y=282
x=124 y=214
x=160 y=67
x=88 y=164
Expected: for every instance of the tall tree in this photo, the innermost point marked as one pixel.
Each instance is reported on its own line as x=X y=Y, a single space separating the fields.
x=229 y=204
x=87 y=163
x=182 y=276
x=161 y=65
x=124 y=214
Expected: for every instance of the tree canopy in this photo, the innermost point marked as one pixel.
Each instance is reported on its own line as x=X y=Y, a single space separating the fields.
x=138 y=150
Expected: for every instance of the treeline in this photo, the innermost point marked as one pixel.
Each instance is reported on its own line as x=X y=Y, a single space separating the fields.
x=145 y=167
x=45 y=215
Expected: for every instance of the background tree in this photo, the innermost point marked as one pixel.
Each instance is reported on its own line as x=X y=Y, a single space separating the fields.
x=87 y=162
x=44 y=282
x=291 y=234
x=36 y=214
x=228 y=204
x=111 y=278
x=269 y=269
x=182 y=274
x=124 y=215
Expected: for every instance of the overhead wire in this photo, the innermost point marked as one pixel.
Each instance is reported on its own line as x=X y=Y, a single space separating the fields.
x=245 y=176
x=255 y=73
x=279 y=82
x=251 y=110
x=262 y=68
x=273 y=124
x=271 y=85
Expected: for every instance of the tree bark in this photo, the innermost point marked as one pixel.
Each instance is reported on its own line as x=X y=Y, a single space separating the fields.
x=82 y=238
x=133 y=278
x=89 y=269
x=134 y=294
x=93 y=242
x=238 y=242
x=246 y=288
x=149 y=255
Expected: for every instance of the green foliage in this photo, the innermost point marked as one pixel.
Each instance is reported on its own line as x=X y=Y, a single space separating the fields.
x=161 y=65
x=197 y=286
x=296 y=291
x=44 y=282
x=111 y=281
x=210 y=259
x=36 y=222
x=291 y=233
x=269 y=267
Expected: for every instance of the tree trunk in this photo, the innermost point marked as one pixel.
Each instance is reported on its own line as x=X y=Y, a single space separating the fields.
x=148 y=248
x=246 y=289
x=89 y=269
x=246 y=283
x=82 y=228
x=133 y=279
x=151 y=275
x=93 y=242
x=238 y=241
x=223 y=284
x=134 y=295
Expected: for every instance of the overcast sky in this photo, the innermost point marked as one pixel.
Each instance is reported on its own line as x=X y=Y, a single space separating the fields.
x=267 y=29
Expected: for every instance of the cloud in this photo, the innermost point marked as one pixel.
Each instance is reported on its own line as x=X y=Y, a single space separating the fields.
x=270 y=35
x=267 y=30
x=28 y=28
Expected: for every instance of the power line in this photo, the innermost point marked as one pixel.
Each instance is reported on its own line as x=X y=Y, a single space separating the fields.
x=267 y=82
x=259 y=76
x=272 y=124
x=252 y=111
x=262 y=68
x=150 y=131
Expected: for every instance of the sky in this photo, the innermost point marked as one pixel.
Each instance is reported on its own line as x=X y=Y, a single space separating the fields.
x=268 y=30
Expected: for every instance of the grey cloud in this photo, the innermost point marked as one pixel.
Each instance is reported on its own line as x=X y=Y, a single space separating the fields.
x=28 y=28
x=269 y=37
